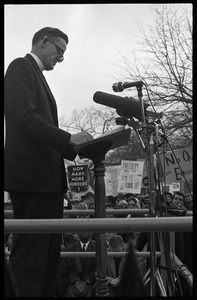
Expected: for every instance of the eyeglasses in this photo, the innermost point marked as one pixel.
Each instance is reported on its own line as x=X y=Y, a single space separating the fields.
x=60 y=51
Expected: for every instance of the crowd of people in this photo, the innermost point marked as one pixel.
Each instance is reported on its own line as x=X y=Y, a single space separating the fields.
x=135 y=201
x=116 y=242
x=77 y=275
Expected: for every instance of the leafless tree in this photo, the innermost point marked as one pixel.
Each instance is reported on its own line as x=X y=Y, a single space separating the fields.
x=166 y=69
x=94 y=120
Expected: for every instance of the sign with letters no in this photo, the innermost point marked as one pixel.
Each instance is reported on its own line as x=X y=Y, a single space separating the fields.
x=184 y=158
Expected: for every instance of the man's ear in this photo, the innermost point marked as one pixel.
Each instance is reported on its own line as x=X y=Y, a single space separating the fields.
x=44 y=41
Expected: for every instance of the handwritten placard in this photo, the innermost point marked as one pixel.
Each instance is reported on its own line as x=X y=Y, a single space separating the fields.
x=182 y=157
x=131 y=177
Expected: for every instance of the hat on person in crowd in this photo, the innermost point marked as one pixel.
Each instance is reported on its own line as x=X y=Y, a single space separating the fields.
x=123 y=203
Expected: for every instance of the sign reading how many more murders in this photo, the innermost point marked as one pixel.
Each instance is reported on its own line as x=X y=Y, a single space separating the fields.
x=78 y=178
x=131 y=176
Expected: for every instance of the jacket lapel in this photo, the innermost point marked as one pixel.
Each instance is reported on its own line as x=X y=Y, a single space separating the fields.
x=41 y=76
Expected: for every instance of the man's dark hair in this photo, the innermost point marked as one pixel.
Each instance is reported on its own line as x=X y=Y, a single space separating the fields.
x=168 y=193
x=179 y=193
x=50 y=32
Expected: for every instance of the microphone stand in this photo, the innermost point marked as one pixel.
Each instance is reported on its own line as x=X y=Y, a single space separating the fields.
x=152 y=193
x=151 y=132
x=149 y=152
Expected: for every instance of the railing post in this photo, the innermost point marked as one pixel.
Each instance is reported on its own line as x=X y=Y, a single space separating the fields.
x=101 y=246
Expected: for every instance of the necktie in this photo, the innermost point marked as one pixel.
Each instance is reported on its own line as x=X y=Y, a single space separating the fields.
x=84 y=247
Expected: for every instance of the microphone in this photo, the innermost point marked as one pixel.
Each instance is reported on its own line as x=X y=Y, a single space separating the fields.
x=120 y=86
x=127 y=107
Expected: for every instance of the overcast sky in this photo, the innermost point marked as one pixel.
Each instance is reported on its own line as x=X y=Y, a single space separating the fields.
x=98 y=34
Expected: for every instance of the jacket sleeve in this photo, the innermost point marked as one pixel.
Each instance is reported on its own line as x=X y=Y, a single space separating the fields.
x=29 y=109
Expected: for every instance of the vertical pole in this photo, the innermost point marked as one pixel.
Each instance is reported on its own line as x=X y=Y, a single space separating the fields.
x=101 y=246
x=151 y=194
x=152 y=214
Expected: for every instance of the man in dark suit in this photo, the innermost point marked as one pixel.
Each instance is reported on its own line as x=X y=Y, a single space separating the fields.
x=72 y=270
x=35 y=148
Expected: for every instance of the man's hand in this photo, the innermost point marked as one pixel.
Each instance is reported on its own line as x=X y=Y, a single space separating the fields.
x=115 y=282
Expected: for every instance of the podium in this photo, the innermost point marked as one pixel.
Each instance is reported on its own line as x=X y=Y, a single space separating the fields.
x=96 y=150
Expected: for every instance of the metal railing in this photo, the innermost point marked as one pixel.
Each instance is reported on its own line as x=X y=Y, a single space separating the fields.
x=91 y=212
x=99 y=225
x=103 y=225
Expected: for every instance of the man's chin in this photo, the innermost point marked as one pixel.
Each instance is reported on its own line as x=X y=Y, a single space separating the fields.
x=50 y=67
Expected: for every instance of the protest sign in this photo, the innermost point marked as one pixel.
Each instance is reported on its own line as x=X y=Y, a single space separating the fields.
x=78 y=177
x=131 y=176
x=112 y=176
x=184 y=158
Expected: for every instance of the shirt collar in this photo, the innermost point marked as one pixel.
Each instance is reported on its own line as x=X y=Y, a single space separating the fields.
x=83 y=244
x=40 y=64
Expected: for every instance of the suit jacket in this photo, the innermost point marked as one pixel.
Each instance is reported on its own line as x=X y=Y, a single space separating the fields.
x=35 y=146
x=81 y=268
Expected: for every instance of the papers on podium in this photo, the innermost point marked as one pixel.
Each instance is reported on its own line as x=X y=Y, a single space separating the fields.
x=102 y=144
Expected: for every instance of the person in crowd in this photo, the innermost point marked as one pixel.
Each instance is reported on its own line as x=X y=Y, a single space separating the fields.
x=183 y=240
x=127 y=236
x=123 y=204
x=188 y=202
x=67 y=202
x=35 y=147
x=9 y=242
x=80 y=206
x=115 y=264
x=178 y=199
x=110 y=201
x=68 y=238
x=133 y=202
x=75 y=270
x=168 y=198
x=71 y=237
x=119 y=197
x=145 y=202
x=89 y=198
x=108 y=236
